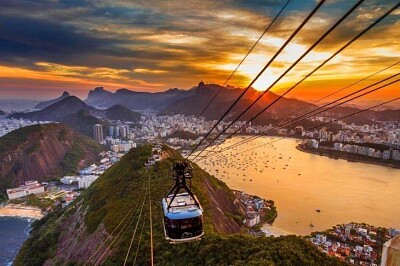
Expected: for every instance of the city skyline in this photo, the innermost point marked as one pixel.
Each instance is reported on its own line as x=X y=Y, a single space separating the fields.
x=51 y=46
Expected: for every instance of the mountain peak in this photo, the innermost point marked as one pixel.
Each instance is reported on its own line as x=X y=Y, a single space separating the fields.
x=173 y=90
x=98 y=89
x=55 y=111
x=71 y=99
x=45 y=104
x=122 y=113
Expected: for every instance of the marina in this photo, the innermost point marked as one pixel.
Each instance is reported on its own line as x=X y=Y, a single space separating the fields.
x=301 y=184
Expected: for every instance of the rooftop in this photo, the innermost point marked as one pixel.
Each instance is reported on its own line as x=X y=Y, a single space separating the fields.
x=182 y=207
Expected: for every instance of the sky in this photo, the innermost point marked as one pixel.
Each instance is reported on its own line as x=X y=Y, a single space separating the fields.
x=48 y=46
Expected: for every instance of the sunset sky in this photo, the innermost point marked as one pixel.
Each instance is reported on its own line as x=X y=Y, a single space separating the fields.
x=50 y=46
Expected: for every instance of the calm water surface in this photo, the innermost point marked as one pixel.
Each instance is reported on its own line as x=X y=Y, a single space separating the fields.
x=13 y=232
x=300 y=183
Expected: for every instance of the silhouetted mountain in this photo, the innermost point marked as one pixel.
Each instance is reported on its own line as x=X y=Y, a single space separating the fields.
x=2 y=113
x=82 y=121
x=134 y=100
x=367 y=117
x=100 y=98
x=119 y=112
x=386 y=115
x=45 y=104
x=57 y=110
x=41 y=152
x=78 y=115
x=193 y=105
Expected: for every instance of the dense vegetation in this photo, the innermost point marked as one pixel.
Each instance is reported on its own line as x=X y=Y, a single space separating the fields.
x=123 y=187
x=183 y=135
x=14 y=139
x=119 y=112
x=30 y=145
x=73 y=157
x=82 y=121
x=33 y=200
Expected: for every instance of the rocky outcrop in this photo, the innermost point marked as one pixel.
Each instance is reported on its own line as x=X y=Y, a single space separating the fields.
x=40 y=152
x=223 y=205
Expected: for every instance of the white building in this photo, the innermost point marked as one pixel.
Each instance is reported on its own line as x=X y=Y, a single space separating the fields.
x=86 y=181
x=313 y=143
x=337 y=146
x=30 y=187
x=253 y=220
x=68 y=180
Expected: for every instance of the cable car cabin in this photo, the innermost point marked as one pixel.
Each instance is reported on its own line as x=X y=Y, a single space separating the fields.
x=183 y=218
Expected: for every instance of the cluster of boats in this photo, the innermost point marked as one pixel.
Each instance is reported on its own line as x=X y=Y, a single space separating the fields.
x=233 y=164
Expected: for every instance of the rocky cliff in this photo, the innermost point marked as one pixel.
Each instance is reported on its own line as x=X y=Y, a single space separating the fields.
x=41 y=152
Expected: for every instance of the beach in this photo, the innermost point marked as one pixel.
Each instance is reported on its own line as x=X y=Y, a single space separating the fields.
x=15 y=210
x=270 y=230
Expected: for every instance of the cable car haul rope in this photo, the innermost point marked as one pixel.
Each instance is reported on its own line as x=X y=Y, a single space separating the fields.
x=183 y=214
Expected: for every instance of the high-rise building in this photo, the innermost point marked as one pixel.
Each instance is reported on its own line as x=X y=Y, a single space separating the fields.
x=111 y=131
x=98 y=132
x=123 y=131
x=116 y=131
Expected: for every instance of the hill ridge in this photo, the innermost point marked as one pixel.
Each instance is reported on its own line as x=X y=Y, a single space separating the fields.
x=74 y=234
x=41 y=152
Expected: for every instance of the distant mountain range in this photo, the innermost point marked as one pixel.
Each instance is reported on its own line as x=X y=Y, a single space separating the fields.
x=117 y=105
x=366 y=117
x=134 y=100
x=2 y=113
x=77 y=114
x=190 y=102
x=194 y=104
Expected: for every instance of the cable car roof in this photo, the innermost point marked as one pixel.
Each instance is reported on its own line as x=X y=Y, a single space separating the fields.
x=183 y=207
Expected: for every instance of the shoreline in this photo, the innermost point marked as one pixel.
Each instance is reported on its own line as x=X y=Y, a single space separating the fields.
x=346 y=157
x=271 y=230
x=12 y=210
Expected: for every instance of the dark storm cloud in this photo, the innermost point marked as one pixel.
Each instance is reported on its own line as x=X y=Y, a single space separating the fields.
x=172 y=42
x=40 y=39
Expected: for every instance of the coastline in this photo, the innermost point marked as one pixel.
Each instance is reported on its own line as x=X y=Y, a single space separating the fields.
x=13 y=210
x=347 y=157
x=271 y=230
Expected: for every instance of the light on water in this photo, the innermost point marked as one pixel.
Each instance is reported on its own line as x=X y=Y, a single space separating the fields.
x=302 y=183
